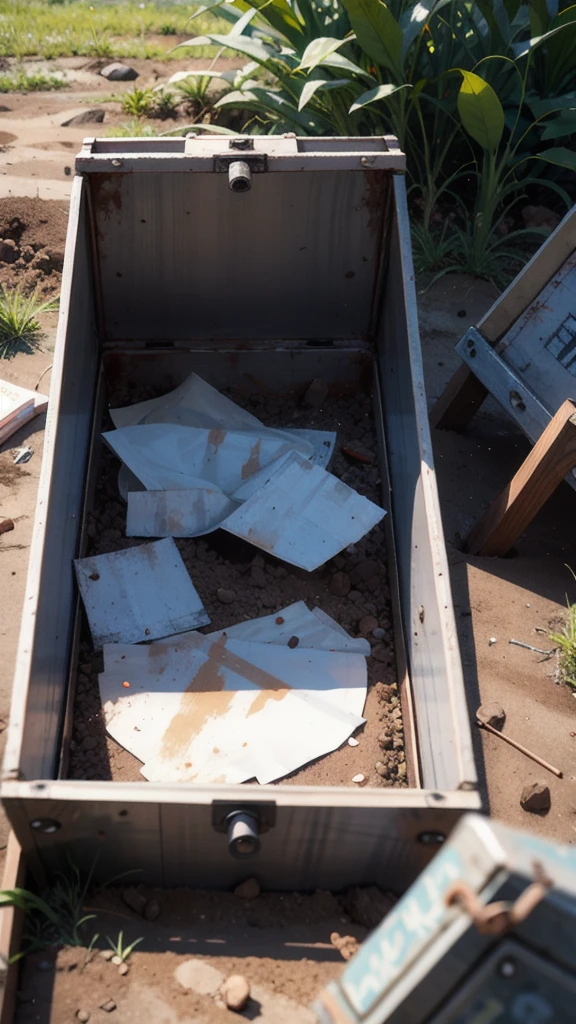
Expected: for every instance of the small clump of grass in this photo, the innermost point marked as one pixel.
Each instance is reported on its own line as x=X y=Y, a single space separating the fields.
x=19 y=326
x=22 y=81
x=138 y=102
x=565 y=641
x=131 y=130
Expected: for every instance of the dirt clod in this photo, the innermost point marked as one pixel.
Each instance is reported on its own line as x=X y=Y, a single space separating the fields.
x=152 y=910
x=8 y=251
x=6 y=525
x=225 y=596
x=108 y=1006
x=123 y=970
x=347 y=945
x=293 y=642
x=367 y=625
x=536 y=797
x=247 y=890
x=135 y=899
x=340 y=584
x=491 y=714
x=367 y=905
x=236 y=992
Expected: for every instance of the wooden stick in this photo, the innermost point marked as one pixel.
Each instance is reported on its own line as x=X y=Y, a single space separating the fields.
x=552 y=457
x=518 y=746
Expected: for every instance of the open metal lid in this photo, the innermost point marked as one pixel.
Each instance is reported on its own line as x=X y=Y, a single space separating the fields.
x=240 y=238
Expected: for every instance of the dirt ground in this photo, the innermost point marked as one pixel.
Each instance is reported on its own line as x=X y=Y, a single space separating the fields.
x=283 y=944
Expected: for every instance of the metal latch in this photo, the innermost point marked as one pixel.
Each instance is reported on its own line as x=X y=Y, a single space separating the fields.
x=244 y=822
x=240 y=167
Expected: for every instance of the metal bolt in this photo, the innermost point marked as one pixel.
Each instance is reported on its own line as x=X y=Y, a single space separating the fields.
x=45 y=825
x=117 y=163
x=431 y=838
x=507 y=968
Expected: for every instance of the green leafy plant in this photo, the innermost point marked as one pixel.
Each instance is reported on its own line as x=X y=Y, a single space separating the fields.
x=131 y=130
x=165 y=104
x=19 y=326
x=565 y=640
x=138 y=102
x=363 y=67
x=23 y=81
x=119 y=949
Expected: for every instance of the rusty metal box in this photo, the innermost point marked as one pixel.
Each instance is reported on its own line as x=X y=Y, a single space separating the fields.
x=307 y=273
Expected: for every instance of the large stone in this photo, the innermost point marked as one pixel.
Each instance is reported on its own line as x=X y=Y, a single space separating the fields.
x=535 y=797
x=94 y=116
x=199 y=976
x=135 y=899
x=152 y=910
x=247 y=890
x=235 y=992
x=367 y=905
x=119 y=73
x=491 y=714
x=339 y=584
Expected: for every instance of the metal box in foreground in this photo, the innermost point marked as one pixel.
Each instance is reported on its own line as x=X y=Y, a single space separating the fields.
x=307 y=273
x=487 y=934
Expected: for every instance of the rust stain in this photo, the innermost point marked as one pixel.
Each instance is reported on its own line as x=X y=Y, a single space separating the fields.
x=252 y=464
x=261 y=699
x=374 y=198
x=216 y=436
x=255 y=538
x=206 y=698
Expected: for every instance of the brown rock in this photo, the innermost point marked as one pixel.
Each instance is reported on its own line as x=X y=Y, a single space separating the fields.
x=367 y=905
x=247 y=890
x=152 y=910
x=135 y=899
x=83 y=1016
x=6 y=525
x=108 y=1006
x=491 y=714
x=94 y=116
x=364 y=571
x=235 y=992
x=385 y=740
x=225 y=596
x=123 y=970
x=293 y=642
x=367 y=625
x=339 y=584
x=316 y=393
x=381 y=769
x=8 y=251
x=535 y=797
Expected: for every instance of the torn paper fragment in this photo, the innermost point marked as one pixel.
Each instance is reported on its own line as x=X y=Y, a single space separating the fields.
x=195 y=403
x=206 y=710
x=141 y=593
x=313 y=628
x=167 y=457
x=17 y=406
x=304 y=515
x=177 y=513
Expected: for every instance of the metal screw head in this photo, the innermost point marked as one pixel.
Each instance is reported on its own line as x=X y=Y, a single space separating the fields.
x=507 y=968
x=431 y=838
x=45 y=825
x=117 y=163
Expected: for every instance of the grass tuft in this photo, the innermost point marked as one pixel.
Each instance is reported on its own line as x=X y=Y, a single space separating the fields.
x=565 y=640
x=37 y=81
x=19 y=327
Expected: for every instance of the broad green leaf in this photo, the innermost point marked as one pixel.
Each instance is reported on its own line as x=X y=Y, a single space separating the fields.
x=561 y=126
x=250 y=47
x=560 y=156
x=314 y=84
x=242 y=22
x=415 y=18
x=212 y=129
x=381 y=92
x=539 y=107
x=336 y=60
x=281 y=15
x=480 y=110
x=377 y=32
x=180 y=76
x=271 y=101
x=317 y=51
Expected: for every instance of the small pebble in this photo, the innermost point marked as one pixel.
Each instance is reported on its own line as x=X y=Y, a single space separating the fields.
x=108 y=1006
x=43 y=965
x=340 y=584
x=107 y=954
x=352 y=742
x=225 y=596
x=123 y=969
x=492 y=640
x=83 y=1016
x=152 y=910
x=379 y=633
x=236 y=992
x=116 y=960
x=381 y=768
x=359 y=778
